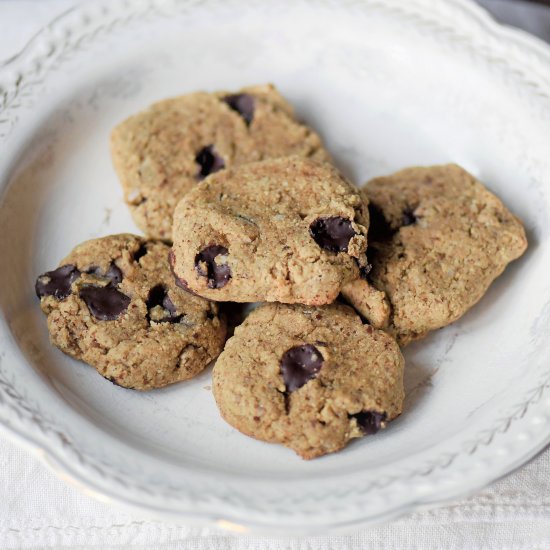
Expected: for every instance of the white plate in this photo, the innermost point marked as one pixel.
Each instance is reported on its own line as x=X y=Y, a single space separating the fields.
x=388 y=83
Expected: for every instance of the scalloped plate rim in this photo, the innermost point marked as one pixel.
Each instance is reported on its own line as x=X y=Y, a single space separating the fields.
x=49 y=454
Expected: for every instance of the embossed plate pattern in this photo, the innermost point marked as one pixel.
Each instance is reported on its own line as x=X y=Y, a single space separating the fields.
x=388 y=84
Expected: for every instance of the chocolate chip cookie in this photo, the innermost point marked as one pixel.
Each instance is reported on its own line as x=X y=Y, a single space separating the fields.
x=291 y=230
x=437 y=240
x=310 y=378
x=163 y=152
x=114 y=304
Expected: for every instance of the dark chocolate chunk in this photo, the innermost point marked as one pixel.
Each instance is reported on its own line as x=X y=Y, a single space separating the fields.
x=169 y=306
x=408 y=217
x=370 y=421
x=140 y=252
x=209 y=161
x=333 y=233
x=105 y=303
x=57 y=283
x=158 y=297
x=380 y=229
x=113 y=273
x=218 y=274
x=243 y=104
x=299 y=365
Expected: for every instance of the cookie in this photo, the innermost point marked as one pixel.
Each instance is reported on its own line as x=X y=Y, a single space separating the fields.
x=373 y=304
x=114 y=304
x=309 y=378
x=438 y=238
x=163 y=152
x=289 y=230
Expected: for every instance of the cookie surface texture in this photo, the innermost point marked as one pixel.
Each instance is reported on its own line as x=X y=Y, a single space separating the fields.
x=164 y=151
x=437 y=240
x=290 y=230
x=114 y=304
x=309 y=378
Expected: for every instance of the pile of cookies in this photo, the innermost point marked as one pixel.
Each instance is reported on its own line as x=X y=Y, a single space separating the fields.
x=241 y=204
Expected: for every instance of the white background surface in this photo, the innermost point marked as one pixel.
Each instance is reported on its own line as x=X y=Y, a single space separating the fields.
x=37 y=510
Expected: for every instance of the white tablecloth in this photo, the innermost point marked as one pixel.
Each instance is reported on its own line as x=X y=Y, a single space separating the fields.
x=37 y=510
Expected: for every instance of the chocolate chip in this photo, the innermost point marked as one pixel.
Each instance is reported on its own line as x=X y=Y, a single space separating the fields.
x=113 y=273
x=243 y=104
x=105 y=303
x=380 y=229
x=369 y=421
x=333 y=233
x=140 y=252
x=299 y=365
x=218 y=274
x=57 y=283
x=168 y=305
x=209 y=161
x=158 y=298
x=408 y=217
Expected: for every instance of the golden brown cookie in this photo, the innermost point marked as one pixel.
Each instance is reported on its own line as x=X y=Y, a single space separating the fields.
x=113 y=303
x=310 y=378
x=437 y=240
x=163 y=152
x=290 y=230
